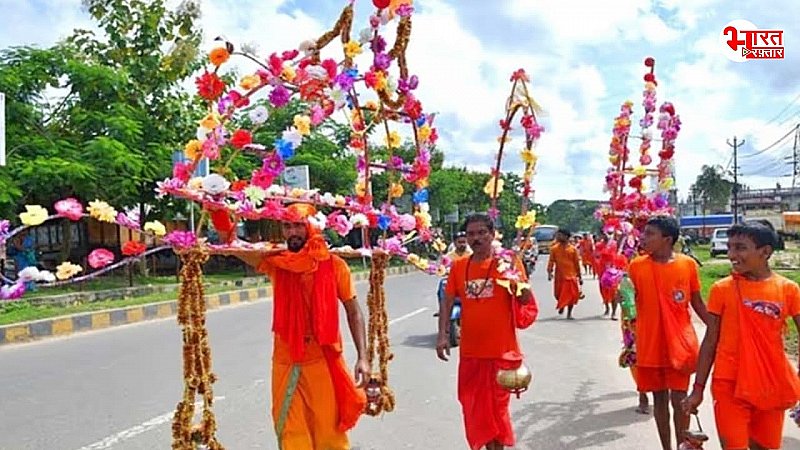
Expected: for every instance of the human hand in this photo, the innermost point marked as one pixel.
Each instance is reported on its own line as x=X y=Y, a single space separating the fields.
x=443 y=347
x=549 y=277
x=362 y=372
x=526 y=297
x=580 y=281
x=690 y=403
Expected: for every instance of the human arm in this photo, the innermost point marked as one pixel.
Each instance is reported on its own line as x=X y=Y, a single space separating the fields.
x=708 y=351
x=576 y=261
x=226 y=229
x=551 y=263
x=796 y=320
x=443 y=337
x=355 y=320
x=700 y=307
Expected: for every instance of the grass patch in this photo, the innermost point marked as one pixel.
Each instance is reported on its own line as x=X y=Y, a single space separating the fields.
x=23 y=311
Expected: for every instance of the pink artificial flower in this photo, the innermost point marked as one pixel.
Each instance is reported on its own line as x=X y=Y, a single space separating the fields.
x=317 y=115
x=261 y=178
x=130 y=221
x=339 y=223
x=182 y=171
x=180 y=239
x=407 y=222
x=69 y=208
x=210 y=149
x=12 y=291
x=100 y=258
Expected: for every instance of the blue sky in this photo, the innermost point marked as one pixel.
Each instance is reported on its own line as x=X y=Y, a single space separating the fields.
x=584 y=58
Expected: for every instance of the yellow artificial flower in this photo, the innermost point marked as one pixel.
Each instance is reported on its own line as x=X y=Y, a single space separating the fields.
x=526 y=220
x=303 y=124
x=250 y=81
x=371 y=105
x=339 y=200
x=393 y=140
x=613 y=159
x=441 y=270
x=439 y=245
x=489 y=188
x=288 y=73
x=210 y=121
x=628 y=103
x=297 y=193
x=423 y=133
x=102 y=211
x=193 y=149
x=352 y=49
x=424 y=218
x=67 y=270
x=195 y=183
x=667 y=183
x=380 y=81
x=640 y=171
x=396 y=190
x=412 y=258
x=156 y=228
x=361 y=188
x=423 y=264
x=519 y=285
x=422 y=183
x=34 y=215
x=528 y=156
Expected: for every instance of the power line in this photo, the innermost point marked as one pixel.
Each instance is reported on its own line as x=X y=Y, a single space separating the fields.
x=785 y=108
x=767 y=148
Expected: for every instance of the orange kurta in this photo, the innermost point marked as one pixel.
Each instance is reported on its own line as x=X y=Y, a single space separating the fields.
x=756 y=337
x=564 y=259
x=666 y=343
x=587 y=252
x=325 y=389
x=487 y=334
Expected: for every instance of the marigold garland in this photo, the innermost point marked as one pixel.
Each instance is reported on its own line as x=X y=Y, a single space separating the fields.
x=378 y=338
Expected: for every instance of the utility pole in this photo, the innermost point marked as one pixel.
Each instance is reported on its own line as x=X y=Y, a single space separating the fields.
x=735 y=146
x=795 y=164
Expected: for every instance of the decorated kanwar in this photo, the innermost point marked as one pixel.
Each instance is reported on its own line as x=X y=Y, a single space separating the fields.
x=753 y=383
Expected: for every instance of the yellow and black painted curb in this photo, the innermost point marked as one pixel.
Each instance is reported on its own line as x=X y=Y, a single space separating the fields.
x=97 y=320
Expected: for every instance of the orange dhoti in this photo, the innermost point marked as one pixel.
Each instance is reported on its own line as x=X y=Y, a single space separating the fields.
x=323 y=404
x=484 y=403
x=738 y=422
x=566 y=291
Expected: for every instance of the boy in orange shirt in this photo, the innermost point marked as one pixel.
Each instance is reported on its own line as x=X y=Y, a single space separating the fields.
x=753 y=383
x=566 y=262
x=487 y=335
x=666 y=284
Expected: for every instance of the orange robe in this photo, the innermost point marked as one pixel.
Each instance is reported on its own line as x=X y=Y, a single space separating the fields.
x=587 y=252
x=487 y=335
x=564 y=258
x=325 y=402
x=753 y=382
x=666 y=343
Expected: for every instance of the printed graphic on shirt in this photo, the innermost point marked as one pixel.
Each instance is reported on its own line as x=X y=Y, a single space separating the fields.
x=678 y=296
x=765 y=307
x=480 y=289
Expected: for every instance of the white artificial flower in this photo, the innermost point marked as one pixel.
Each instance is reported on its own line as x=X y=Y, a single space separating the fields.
x=359 y=220
x=328 y=199
x=47 y=276
x=317 y=72
x=307 y=46
x=255 y=194
x=29 y=274
x=293 y=137
x=215 y=184
x=259 y=114
x=202 y=134
x=318 y=221
x=338 y=96
x=365 y=36
x=276 y=191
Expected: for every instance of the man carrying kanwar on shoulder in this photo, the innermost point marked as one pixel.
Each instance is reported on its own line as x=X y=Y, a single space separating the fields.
x=666 y=283
x=564 y=260
x=315 y=400
x=753 y=383
x=490 y=315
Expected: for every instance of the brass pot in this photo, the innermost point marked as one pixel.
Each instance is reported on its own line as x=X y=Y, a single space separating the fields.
x=516 y=380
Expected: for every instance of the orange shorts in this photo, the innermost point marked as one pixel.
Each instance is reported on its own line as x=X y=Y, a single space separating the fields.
x=738 y=422
x=655 y=379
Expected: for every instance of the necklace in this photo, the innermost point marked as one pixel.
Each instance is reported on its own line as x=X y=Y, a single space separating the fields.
x=470 y=289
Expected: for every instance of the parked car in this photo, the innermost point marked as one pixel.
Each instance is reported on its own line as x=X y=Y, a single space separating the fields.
x=719 y=242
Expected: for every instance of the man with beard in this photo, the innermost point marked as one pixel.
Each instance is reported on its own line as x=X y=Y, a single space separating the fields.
x=488 y=336
x=461 y=249
x=314 y=398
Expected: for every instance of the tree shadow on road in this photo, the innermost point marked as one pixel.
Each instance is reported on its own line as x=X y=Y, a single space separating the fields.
x=576 y=424
x=421 y=341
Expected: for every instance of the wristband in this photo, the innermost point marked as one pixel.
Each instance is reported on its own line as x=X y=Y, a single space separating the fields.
x=699 y=386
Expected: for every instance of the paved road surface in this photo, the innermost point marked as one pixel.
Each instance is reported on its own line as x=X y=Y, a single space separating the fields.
x=116 y=389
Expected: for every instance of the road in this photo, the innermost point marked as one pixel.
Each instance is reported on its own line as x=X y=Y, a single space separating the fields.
x=117 y=388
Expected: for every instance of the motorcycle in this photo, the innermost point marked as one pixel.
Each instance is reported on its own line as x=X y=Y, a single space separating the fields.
x=529 y=258
x=455 y=315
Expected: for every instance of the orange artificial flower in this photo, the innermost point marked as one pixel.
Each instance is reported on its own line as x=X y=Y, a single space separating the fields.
x=219 y=56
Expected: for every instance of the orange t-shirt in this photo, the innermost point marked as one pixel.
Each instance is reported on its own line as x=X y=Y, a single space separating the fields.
x=487 y=329
x=723 y=301
x=679 y=280
x=566 y=261
x=345 y=291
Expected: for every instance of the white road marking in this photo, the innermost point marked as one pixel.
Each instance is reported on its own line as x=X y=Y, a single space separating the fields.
x=137 y=430
x=407 y=316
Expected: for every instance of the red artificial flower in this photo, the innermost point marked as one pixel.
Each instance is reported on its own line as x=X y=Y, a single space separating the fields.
x=290 y=54
x=380 y=4
x=635 y=183
x=356 y=142
x=370 y=79
x=518 y=75
x=241 y=138
x=649 y=61
x=650 y=78
x=133 y=248
x=238 y=99
x=312 y=89
x=413 y=108
x=275 y=64
x=238 y=185
x=209 y=86
x=504 y=125
x=330 y=66
x=373 y=219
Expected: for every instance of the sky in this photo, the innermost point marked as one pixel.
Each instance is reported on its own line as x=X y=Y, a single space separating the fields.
x=584 y=59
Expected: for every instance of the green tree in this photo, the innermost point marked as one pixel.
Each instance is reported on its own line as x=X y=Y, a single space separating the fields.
x=711 y=189
x=575 y=215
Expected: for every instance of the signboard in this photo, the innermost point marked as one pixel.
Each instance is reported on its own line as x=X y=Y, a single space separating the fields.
x=2 y=129
x=452 y=217
x=296 y=177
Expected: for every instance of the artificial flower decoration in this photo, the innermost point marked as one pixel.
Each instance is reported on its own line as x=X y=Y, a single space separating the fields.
x=526 y=220
x=493 y=187
x=180 y=240
x=219 y=56
x=67 y=270
x=100 y=258
x=34 y=215
x=102 y=211
x=69 y=208
x=133 y=248
x=156 y=228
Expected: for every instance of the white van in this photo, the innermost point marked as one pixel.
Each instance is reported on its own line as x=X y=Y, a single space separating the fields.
x=719 y=242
